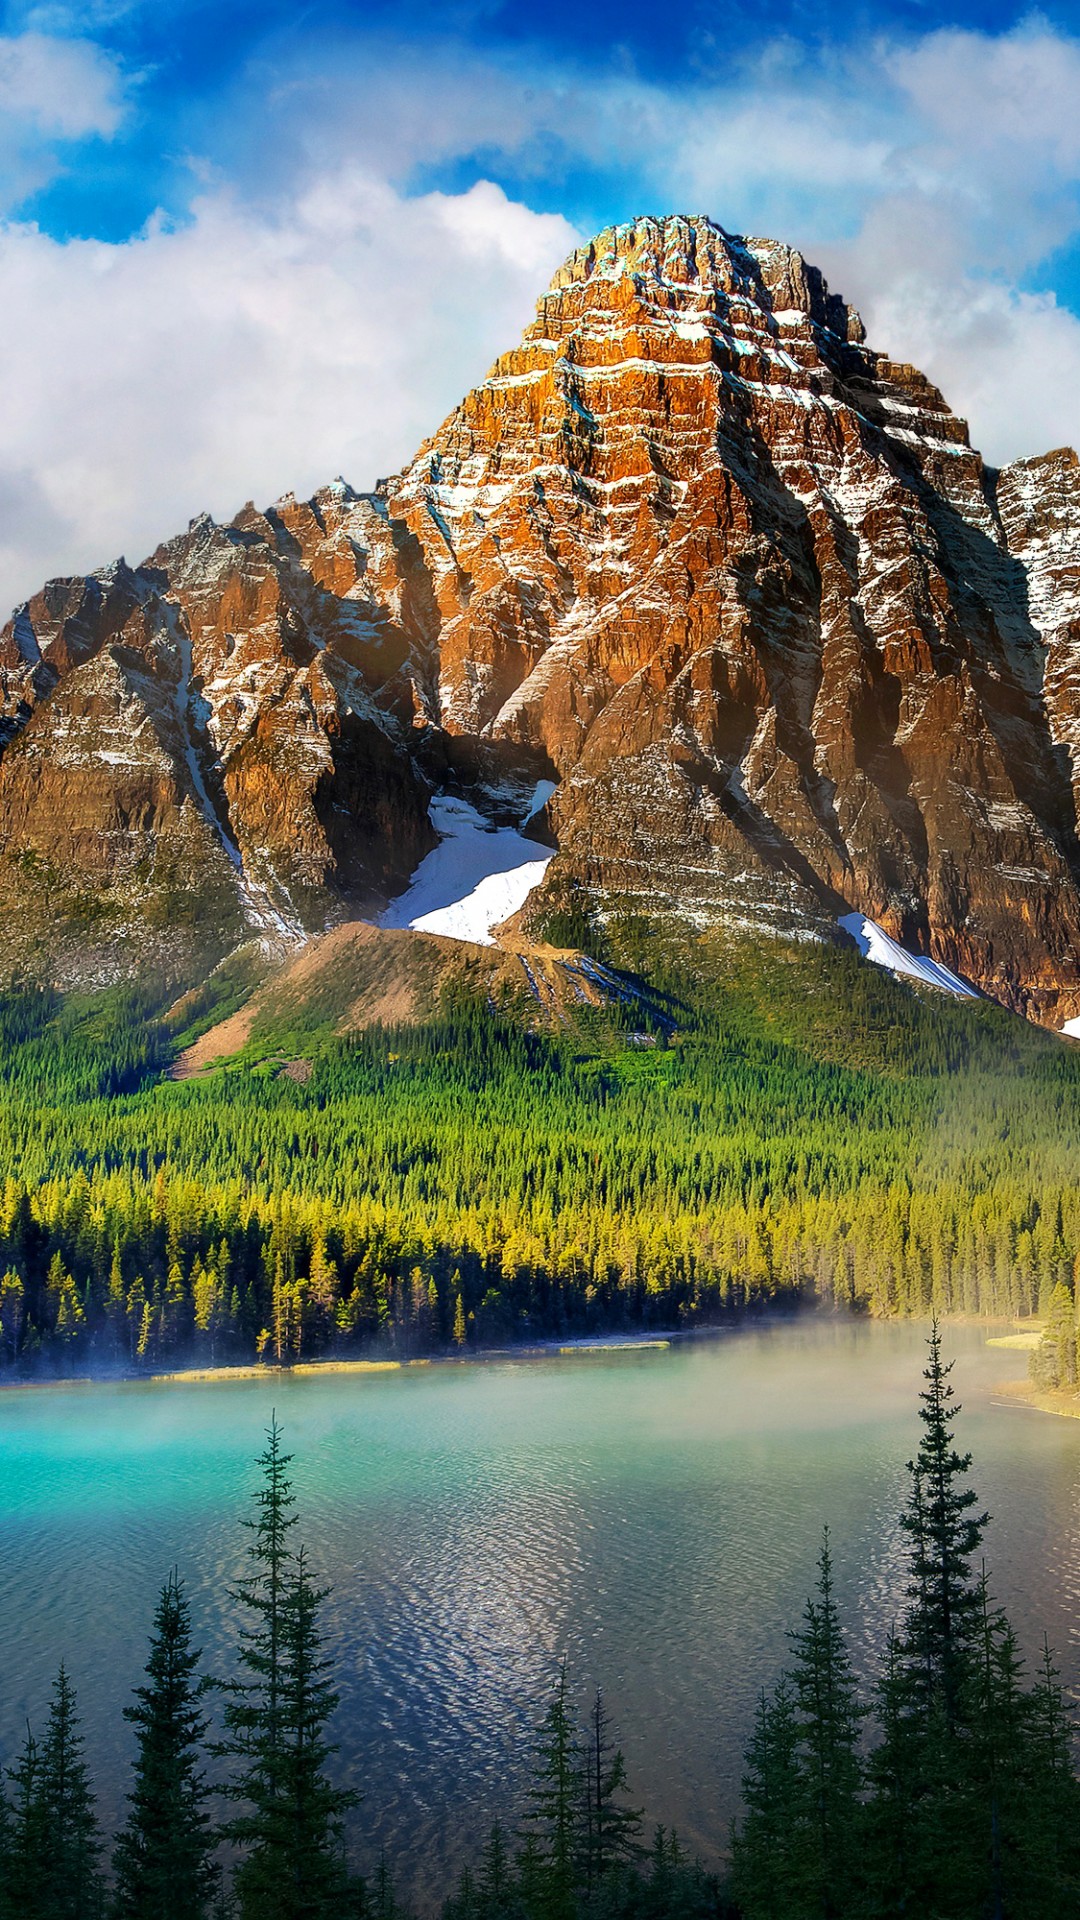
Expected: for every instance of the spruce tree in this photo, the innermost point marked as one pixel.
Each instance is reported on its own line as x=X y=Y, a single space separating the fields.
x=1052 y=1800
x=252 y=1713
x=945 y=1533
x=27 y=1832
x=828 y=1718
x=676 y=1888
x=895 y=1779
x=381 y=1901
x=163 y=1860
x=549 y=1861
x=930 y=1785
x=462 y=1904
x=5 y=1854
x=292 y=1867
x=72 y=1885
x=612 y=1836
x=495 y=1882
x=768 y=1868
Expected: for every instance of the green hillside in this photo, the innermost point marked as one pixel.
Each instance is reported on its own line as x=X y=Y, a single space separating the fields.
x=734 y=1125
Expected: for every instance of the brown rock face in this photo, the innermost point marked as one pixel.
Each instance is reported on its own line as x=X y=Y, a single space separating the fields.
x=739 y=581
x=217 y=743
x=791 y=647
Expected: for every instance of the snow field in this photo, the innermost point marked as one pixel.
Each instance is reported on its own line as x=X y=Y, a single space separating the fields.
x=474 y=879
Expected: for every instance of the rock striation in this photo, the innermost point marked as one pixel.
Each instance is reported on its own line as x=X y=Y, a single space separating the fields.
x=736 y=581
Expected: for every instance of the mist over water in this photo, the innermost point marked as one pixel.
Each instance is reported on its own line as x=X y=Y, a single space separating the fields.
x=654 y=1515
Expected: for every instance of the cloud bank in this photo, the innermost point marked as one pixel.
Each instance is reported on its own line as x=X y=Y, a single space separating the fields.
x=373 y=232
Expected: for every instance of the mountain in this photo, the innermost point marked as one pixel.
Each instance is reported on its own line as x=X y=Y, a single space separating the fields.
x=733 y=581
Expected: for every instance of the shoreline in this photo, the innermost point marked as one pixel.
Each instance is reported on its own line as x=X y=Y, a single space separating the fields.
x=1024 y=1393
x=530 y=1350
x=256 y=1370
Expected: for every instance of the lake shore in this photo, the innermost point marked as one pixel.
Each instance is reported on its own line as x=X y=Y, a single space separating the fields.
x=256 y=1370
x=1020 y=1338
x=1025 y=1393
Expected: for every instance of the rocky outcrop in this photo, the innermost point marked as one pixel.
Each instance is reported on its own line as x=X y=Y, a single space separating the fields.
x=213 y=745
x=737 y=580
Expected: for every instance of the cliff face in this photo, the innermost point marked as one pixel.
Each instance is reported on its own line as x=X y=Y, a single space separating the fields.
x=789 y=644
x=212 y=745
x=739 y=582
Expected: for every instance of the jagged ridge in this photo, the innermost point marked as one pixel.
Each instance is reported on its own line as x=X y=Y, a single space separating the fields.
x=738 y=580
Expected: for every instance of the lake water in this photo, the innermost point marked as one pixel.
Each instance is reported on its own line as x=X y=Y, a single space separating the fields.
x=652 y=1515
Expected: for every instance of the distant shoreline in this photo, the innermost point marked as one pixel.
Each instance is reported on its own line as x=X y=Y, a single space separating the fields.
x=255 y=1370
x=529 y=1350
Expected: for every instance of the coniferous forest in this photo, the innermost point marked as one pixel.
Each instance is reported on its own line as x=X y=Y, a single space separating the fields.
x=944 y=1786
x=738 y=1129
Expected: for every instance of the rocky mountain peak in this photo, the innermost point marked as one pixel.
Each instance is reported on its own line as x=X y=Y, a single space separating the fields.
x=695 y=551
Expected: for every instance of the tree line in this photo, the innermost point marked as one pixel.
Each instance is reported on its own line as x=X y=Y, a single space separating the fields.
x=950 y=1791
x=471 y=1181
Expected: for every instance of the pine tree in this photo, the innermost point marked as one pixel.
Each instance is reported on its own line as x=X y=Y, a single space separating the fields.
x=72 y=1886
x=553 y=1811
x=252 y=1713
x=28 y=1837
x=895 y=1778
x=381 y=1902
x=612 y=1836
x=945 y=1605
x=828 y=1718
x=495 y=1888
x=997 y=1712
x=1052 y=1800
x=292 y=1866
x=768 y=1870
x=462 y=1904
x=6 y=1886
x=163 y=1861
x=460 y=1331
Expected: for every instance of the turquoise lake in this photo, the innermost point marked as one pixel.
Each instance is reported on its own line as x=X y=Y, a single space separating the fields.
x=652 y=1515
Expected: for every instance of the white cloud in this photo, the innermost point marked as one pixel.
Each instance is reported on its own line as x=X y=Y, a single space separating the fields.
x=1006 y=360
x=314 y=316
x=53 y=92
x=241 y=355
x=64 y=88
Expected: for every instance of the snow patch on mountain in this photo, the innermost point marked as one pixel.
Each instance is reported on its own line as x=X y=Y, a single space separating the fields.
x=475 y=878
x=876 y=946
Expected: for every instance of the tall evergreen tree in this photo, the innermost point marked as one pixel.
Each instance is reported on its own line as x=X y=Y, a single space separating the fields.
x=462 y=1904
x=495 y=1881
x=548 y=1868
x=292 y=1867
x=163 y=1860
x=895 y=1779
x=6 y=1837
x=252 y=1713
x=380 y=1899
x=28 y=1833
x=768 y=1867
x=612 y=1828
x=945 y=1533
x=72 y=1885
x=829 y=1719
x=1052 y=1804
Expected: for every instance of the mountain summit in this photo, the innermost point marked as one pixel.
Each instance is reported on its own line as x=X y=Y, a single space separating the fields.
x=736 y=582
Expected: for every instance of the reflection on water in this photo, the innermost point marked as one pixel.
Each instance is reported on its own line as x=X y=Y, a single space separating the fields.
x=654 y=1515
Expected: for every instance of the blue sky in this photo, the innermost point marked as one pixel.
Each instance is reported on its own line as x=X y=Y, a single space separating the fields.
x=200 y=78
x=246 y=246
